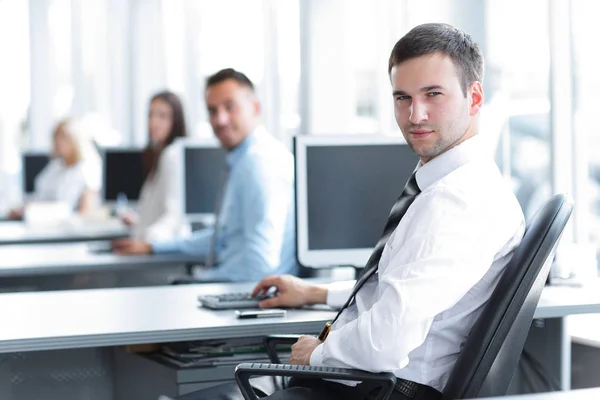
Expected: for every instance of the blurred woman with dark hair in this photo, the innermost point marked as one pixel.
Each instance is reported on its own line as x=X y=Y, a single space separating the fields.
x=160 y=214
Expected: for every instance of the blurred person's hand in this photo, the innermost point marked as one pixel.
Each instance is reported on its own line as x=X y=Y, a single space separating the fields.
x=292 y=292
x=130 y=218
x=15 y=214
x=131 y=246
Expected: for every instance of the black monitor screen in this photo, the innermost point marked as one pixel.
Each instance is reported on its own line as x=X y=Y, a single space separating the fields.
x=33 y=164
x=351 y=190
x=203 y=178
x=123 y=173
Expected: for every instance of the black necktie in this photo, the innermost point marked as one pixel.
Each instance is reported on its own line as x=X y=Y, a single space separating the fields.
x=410 y=192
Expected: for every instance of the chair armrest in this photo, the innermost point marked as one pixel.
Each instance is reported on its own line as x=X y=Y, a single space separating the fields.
x=243 y=373
x=272 y=341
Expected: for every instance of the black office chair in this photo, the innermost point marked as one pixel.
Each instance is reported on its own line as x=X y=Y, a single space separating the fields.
x=490 y=355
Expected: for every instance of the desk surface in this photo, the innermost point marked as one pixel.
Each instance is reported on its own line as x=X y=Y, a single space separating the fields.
x=79 y=231
x=45 y=259
x=582 y=394
x=112 y=317
x=560 y=301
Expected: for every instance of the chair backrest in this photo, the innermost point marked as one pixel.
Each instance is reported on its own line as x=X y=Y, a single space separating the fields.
x=489 y=356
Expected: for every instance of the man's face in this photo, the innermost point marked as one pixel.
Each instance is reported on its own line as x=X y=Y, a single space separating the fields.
x=430 y=106
x=233 y=112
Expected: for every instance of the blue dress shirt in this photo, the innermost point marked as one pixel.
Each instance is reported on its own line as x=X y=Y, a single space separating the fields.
x=256 y=235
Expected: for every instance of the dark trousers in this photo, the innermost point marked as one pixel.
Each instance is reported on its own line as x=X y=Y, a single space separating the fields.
x=299 y=389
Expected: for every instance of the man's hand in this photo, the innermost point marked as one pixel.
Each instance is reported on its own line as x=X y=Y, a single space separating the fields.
x=293 y=292
x=130 y=246
x=129 y=218
x=302 y=350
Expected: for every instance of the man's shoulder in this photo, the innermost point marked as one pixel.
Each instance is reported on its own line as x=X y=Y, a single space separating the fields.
x=477 y=177
x=476 y=185
x=266 y=153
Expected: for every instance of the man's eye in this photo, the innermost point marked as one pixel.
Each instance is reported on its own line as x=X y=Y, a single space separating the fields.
x=433 y=94
x=401 y=98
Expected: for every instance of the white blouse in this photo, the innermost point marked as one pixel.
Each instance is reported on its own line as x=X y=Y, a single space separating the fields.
x=160 y=206
x=59 y=182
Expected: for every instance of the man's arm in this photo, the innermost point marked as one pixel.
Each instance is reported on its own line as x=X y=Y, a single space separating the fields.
x=292 y=292
x=195 y=245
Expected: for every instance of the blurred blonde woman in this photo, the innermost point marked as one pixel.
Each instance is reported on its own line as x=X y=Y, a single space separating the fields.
x=74 y=173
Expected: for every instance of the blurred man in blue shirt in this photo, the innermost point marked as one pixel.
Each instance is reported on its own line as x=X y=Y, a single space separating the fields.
x=255 y=228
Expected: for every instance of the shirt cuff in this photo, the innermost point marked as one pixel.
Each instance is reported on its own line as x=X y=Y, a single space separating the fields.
x=338 y=292
x=316 y=358
x=162 y=247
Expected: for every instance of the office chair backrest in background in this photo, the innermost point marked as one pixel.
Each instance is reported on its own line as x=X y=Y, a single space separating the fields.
x=490 y=355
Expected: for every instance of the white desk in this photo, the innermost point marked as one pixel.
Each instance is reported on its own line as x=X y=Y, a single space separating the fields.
x=71 y=266
x=69 y=331
x=112 y=317
x=77 y=327
x=78 y=231
x=582 y=394
x=109 y=317
x=30 y=260
x=560 y=301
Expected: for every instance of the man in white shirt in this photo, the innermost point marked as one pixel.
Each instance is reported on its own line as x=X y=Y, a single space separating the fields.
x=442 y=261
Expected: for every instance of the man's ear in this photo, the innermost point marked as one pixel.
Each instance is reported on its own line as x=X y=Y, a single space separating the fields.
x=475 y=93
x=257 y=107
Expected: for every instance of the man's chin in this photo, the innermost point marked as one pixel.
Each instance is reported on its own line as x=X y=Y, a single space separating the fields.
x=425 y=153
x=224 y=139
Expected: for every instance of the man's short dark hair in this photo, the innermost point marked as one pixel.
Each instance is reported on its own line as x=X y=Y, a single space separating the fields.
x=229 y=73
x=441 y=38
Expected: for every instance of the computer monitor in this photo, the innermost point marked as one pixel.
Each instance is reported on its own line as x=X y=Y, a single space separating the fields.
x=33 y=164
x=203 y=165
x=345 y=189
x=123 y=173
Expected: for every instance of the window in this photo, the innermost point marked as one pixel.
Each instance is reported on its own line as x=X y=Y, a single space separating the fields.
x=586 y=85
x=14 y=95
x=517 y=91
x=345 y=46
x=267 y=52
x=345 y=50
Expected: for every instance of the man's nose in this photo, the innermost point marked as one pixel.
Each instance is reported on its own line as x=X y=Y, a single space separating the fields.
x=418 y=112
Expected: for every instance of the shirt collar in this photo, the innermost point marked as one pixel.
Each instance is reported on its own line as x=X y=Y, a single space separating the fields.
x=445 y=163
x=238 y=152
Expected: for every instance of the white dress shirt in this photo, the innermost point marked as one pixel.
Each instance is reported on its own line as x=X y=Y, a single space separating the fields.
x=436 y=272
x=160 y=206
x=59 y=182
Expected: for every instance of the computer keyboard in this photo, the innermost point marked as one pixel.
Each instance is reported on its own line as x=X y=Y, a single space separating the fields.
x=231 y=300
